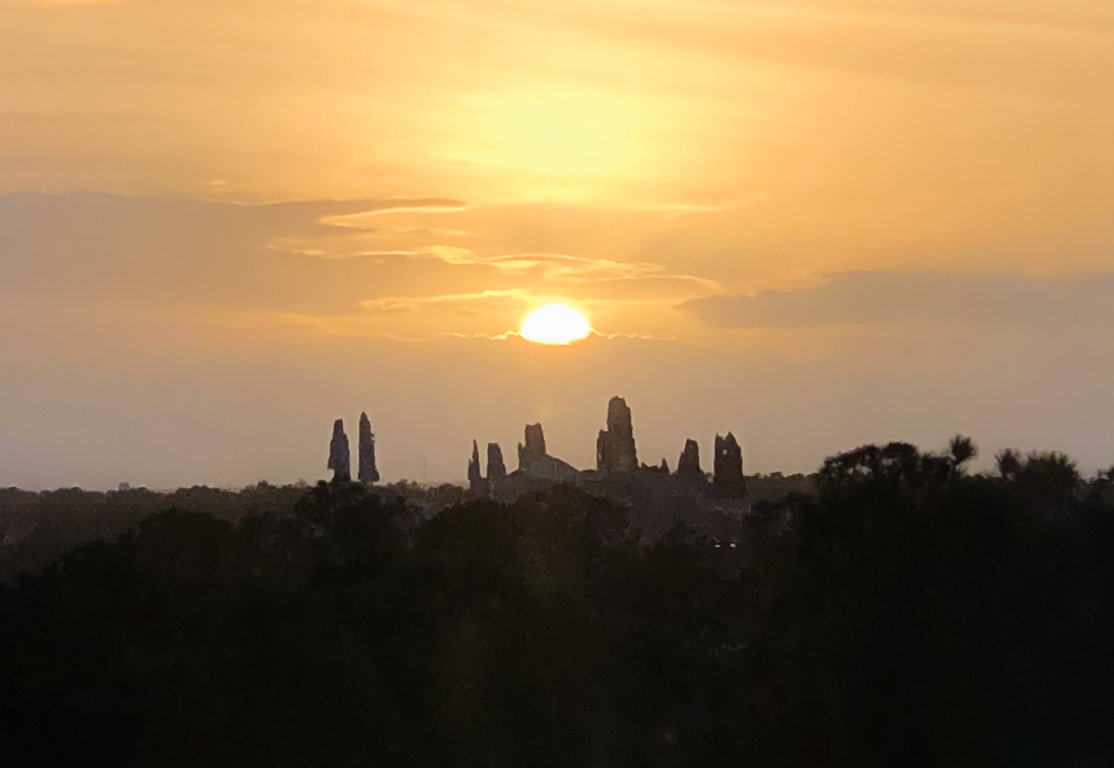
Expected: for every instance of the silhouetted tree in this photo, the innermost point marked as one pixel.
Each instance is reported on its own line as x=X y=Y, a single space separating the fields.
x=901 y=616
x=1049 y=474
x=961 y=449
x=1009 y=462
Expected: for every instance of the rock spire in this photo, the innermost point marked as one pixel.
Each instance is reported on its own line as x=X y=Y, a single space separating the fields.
x=689 y=463
x=368 y=473
x=339 y=457
x=496 y=469
x=476 y=482
x=729 y=467
x=534 y=449
x=615 y=451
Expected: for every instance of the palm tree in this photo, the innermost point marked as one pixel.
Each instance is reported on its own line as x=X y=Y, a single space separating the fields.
x=961 y=449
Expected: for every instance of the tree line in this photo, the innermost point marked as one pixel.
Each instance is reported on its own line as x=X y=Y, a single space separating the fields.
x=907 y=613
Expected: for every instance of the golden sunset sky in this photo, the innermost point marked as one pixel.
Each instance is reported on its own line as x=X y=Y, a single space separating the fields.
x=817 y=223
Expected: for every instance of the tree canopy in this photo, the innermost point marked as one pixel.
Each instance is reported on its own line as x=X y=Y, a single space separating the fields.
x=908 y=614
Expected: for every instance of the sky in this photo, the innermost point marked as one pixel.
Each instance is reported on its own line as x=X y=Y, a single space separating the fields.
x=814 y=223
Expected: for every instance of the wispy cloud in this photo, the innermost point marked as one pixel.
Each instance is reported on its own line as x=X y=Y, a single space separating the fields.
x=548 y=267
x=398 y=205
x=316 y=249
x=59 y=3
x=398 y=304
x=557 y=266
x=922 y=298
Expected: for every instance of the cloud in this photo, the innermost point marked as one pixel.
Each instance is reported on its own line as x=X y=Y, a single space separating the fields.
x=397 y=304
x=397 y=205
x=140 y=252
x=59 y=3
x=575 y=269
x=170 y=257
x=549 y=267
x=552 y=266
x=1078 y=303
x=431 y=231
x=446 y=253
x=557 y=266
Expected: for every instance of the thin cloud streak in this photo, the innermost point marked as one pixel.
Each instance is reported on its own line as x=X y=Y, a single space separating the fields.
x=63 y=3
x=395 y=303
x=1082 y=303
x=430 y=205
x=551 y=267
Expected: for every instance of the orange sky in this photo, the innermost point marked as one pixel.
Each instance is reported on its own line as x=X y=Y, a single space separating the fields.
x=815 y=222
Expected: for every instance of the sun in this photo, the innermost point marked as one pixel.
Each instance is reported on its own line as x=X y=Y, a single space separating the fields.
x=555 y=324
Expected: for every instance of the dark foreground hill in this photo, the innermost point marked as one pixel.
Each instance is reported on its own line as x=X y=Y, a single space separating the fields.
x=906 y=615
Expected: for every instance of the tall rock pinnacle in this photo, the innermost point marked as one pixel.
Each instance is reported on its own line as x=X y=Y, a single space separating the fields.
x=340 y=460
x=476 y=481
x=615 y=451
x=496 y=469
x=689 y=463
x=534 y=449
x=368 y=472
x=729 y=467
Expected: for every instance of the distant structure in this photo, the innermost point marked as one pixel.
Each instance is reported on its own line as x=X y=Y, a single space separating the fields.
x=339 y=458
x=663 y=498
x=534 y=449
x=496 y=469
x=368 y=472
x=476 y=482
x=534 y=462
x=688 y=466
x=615 y=451
x=729 y=480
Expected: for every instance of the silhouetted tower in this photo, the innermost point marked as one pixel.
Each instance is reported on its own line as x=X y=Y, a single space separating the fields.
x=496 y=468
x=729 y=467
x=615 y=451
x=534 y=449
x=368 y=472
x=340 y=460
x=476 y=481
x=688 y=466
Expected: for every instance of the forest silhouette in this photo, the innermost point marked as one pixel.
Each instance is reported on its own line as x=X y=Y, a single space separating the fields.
x=906 y=613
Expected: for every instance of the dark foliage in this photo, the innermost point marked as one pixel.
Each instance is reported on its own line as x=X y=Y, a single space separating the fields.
x=911 y=614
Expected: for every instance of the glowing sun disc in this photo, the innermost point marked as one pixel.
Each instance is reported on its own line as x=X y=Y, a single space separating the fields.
x=555 y=324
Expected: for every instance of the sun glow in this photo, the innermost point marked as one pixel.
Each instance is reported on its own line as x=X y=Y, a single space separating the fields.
x=555 y=324
x=563 y=132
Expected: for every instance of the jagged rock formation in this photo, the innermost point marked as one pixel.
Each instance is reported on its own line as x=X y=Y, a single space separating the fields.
x=534 y=462
x=615 y=451
x=729 y=467
x=476 y=482
x=340 y=460
x=496 y=469
x=534 y=449
x=688 y=465
x=368 y=472
x=664 y=466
